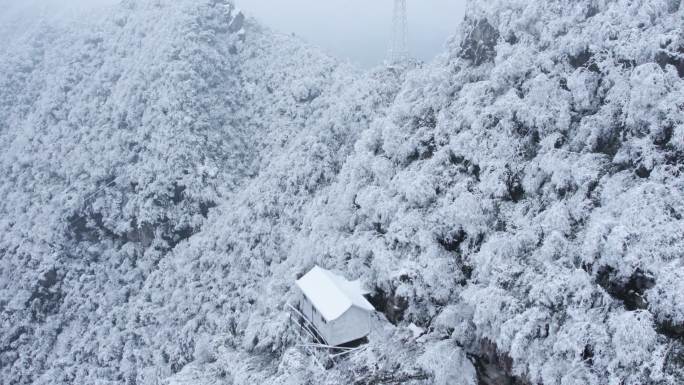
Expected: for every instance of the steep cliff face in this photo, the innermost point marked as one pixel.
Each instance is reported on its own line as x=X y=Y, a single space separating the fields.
x=516 y=205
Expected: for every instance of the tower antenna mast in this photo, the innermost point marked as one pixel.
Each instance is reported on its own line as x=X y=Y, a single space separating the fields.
x=399 y=50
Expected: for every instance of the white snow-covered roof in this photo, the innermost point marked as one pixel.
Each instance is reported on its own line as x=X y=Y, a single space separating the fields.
x=332 y=295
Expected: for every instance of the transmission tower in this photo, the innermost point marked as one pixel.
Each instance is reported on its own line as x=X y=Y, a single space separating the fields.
x=399 y=50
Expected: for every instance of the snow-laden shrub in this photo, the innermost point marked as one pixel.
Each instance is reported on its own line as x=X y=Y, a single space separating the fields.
x=416 y=188
x=547 y=106
x=678 y=138
x=666 y=298
x=204 y=350
x=634 y=341
x=448 y=364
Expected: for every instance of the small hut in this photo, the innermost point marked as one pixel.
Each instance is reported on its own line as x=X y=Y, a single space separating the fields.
x=335 y=306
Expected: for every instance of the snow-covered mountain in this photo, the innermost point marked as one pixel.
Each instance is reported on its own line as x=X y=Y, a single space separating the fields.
x=515 y=207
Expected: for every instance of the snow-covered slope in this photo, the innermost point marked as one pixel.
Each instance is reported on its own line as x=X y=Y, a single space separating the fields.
x=515 y=206
x=118 y=139
x=525 y=193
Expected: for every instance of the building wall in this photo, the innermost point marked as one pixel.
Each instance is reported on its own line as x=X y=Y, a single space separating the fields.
x=352 y=325
x=310 y=312
x=306 y=307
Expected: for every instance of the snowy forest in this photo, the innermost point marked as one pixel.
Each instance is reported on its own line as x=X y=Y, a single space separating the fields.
x=514 y=207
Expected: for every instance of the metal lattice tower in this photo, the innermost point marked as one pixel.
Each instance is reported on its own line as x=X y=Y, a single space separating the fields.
x=399 y=50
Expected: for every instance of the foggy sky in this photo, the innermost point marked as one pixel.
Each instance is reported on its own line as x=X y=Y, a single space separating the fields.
x=360 y=30
x=18 y=17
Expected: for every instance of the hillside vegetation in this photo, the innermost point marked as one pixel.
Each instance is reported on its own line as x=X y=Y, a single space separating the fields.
x=515 y=206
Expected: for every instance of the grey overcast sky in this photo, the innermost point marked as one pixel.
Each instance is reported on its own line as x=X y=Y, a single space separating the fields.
x=360 y=30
